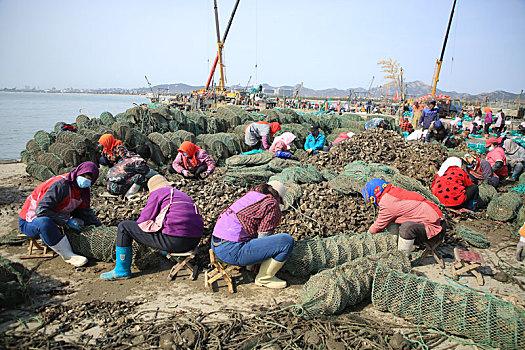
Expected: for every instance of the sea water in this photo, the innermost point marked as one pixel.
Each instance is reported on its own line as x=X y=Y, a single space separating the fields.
x=23 y=114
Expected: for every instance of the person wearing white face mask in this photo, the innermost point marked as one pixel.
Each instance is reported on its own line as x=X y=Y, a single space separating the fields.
x=63 y=200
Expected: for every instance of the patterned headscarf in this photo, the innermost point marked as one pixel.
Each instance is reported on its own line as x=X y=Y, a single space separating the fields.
x=373 y=189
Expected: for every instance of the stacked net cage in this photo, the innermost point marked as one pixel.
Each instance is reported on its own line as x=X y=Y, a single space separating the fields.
x=99 y=243
x=300 y=131
x=472 y=237
x=78 y=142
x=52 y=161
x=279 y=164
x=231 y=142
x=81 y=120
x=313 y=255
x=39 y=171
x=505 y=207
x=249 y=160
x=167 y=147
x=486 y=194
x=227 y=118
x=107 y=118
x=14 y=283
x=179 y=136
x=33 y=148
x=26 y=157
x=44 y=139
x=328 y=175
x=65 y=152
x=330 y=291
x=306 y=174
x=481 y=317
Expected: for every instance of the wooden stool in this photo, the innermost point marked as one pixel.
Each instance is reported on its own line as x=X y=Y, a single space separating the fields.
x=183 y=261
x=220 y=270
x=431 y=248
x=33 y=244
x=467 y=261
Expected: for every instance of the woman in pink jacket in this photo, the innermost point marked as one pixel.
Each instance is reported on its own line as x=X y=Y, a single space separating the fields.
x=281 y=146
x=420 y=219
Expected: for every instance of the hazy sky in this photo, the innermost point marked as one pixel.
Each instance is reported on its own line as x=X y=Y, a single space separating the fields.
x=325 y=44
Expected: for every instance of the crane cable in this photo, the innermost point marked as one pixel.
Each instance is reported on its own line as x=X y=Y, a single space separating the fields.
x=256 y=40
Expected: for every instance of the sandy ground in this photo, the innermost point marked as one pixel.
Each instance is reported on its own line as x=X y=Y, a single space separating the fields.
x=57 y=282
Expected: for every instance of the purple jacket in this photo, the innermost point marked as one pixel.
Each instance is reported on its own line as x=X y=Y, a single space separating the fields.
x=182 y=219
x=202 y=158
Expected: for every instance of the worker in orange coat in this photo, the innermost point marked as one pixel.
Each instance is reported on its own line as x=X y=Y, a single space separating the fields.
x=520 y=248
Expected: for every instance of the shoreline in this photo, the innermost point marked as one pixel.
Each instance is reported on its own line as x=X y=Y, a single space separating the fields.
x=71 y=93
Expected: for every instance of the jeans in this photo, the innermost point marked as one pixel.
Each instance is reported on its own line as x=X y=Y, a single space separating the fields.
x=129 y=230
x=517 y=170
x=278 y=246
x=324 y=149
x=42 y=227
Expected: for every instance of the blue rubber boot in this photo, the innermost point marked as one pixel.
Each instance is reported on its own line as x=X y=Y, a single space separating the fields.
x=123 y=268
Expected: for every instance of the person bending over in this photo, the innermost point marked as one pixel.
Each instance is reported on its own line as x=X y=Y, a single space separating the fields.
x=192 y=162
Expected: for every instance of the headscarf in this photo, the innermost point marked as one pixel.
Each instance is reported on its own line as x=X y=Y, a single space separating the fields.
x=373 y=189
x=487 y=109
x=274 y=127
x=286 y=137
x=471 y=160
x=109 y=143
x=449 y=162
x=84 y=168
x=510 y=146
x=491 y=141
x=191 y=150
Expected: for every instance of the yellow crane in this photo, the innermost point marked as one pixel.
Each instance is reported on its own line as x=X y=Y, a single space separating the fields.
x=439 y=62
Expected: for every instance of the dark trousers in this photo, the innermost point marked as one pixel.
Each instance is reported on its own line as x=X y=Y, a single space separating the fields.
x=129 y=230
x=415 y=230
x=487 y=126
x=472 y=194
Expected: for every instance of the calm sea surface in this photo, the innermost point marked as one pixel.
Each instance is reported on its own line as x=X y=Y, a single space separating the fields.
x=23 y=114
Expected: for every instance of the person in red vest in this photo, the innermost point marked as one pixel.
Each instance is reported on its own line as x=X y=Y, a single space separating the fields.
x=453 y=187
x=496 y=157
x=419 y=218
x=62 y=200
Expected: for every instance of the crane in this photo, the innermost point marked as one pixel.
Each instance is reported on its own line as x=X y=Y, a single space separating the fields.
x=220 y=46
x=297 y=92
x=155 y=97
x=439 y=62
x=369 y=87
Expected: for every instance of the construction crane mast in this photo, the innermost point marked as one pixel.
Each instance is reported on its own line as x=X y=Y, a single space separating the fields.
x=220 y=46
x=439 y=62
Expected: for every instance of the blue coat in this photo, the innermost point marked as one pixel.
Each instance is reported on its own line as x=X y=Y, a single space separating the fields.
x=428 y=116
x=315 y=143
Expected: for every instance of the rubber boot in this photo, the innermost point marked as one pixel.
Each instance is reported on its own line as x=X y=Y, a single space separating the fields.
x=63 y=248
x=133 y=190
x=405 y=244
x=266 y=276
x=122 y=269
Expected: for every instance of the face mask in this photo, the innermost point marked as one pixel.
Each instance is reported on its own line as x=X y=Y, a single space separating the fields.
x=82 y=182
x=491 y=148
x=185 y=154
x=469 y=166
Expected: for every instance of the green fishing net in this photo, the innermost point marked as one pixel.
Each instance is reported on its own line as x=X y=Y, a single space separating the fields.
x=505 y=207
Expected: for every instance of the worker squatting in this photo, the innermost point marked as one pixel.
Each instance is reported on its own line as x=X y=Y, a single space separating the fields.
x=245 y=234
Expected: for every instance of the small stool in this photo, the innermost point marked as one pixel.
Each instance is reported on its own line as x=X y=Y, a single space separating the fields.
x=431 y=248
x=220 y=270
x=467 y=261
x=33 y=244
x=183 y=261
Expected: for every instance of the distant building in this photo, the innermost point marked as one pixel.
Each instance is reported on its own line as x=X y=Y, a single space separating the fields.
x=268 y=91
x=284 y=92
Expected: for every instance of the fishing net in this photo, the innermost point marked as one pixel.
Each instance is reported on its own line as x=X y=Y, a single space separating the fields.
x=313 y=255
x=77 y=141
x=228 y=118
x=486 y=194
x=481 y=317
x=33 y=148
x=505 y=207
x=107 y=118
x=474 y=238
x=292 y=196
x=44 y=139
x=246 y=177
x=520 y=218
x=92 y=135
x=14 y=283
x=328 y=174
x=99 y=243
x=251 y=159
x=65 y=152
x=26 y=157
x=39 y=171
x=241 y=113
x=167 y=147
x=300 y=131
x=279 y=164
x=292 y=113
x=231 y=141
x=353 y=117
x=92 y=123
x=57 y=126
x=81 y=119
x=273 y=115
x=305 y=174
x=331 y=291
x=200 y=119
x=52 y=161
x=179 y=136
x=123 y=131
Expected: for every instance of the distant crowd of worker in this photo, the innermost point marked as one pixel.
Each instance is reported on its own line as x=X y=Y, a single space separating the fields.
x=245 y=233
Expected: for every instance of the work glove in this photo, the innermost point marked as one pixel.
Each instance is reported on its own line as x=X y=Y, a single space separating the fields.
x=75 y=224
x=520 y=249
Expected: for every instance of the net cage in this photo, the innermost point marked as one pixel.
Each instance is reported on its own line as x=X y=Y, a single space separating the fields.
x=331 y=291
x=472 y=237
x=39 y=171
x=78 y=142
x=66 y=153
x=505 y=207
x=481 y=317
x=167 y=147
x=250 y=159
x=44 y=139
x=486 y=194
x=313 y=255
x=14 y=283
x=107 y=118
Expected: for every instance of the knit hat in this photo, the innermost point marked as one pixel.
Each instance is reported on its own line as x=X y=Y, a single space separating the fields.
x=158 y=181
x=373 y=189
x=279 y=187
x=438 y=124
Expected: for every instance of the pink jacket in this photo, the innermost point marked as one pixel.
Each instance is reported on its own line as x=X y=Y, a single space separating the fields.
x=282 y=142
x=399 y=206
x=202 y=158
x=496 y=154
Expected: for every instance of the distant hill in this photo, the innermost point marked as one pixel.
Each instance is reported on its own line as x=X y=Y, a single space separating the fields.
x=414 y=89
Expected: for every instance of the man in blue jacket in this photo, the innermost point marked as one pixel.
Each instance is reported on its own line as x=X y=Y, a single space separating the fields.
x=429 y=115
x=315 y=141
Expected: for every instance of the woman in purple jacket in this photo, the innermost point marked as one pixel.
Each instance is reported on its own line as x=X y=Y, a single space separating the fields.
x=170 y=222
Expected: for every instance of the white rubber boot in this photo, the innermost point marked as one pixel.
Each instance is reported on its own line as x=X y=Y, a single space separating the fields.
x=266 y=276
x=133 y=190
x=405 y=244
x=63 y=248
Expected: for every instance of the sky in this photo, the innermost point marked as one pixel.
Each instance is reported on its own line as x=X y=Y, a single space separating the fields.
x=324 y=44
